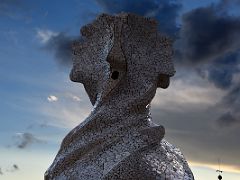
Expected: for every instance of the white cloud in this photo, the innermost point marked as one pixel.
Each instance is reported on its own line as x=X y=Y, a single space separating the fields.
x=76 y=98
x=44 y=35
x=73 y=97
x=65 y=115
x=185 y=92
x=73 y=108
x=52 y=98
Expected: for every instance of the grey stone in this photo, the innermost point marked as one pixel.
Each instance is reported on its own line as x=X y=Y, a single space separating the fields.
x=121 y=63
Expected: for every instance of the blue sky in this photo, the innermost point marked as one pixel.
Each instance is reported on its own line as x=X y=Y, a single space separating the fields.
x=39 y=104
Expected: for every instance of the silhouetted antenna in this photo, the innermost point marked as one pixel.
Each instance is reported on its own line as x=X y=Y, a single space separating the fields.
x=219 y=170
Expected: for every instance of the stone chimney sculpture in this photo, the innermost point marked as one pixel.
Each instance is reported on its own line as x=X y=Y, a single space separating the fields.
x=121 y=62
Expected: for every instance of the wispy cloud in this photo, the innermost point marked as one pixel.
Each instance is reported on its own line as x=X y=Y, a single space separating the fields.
x=61 y=46
x=65 y=114
x=44 y=35
x=76 y=98
x=230 y=103
x=226 y=120
x=73 y=97
x=71 y=108
x=26 y=139
x=52 y=98
x=13 y=168
x=186 y=90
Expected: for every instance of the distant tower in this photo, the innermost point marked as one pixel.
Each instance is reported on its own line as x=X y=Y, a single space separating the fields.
x=219 y=171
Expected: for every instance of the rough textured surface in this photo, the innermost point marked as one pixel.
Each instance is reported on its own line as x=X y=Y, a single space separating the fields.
x=121 y=63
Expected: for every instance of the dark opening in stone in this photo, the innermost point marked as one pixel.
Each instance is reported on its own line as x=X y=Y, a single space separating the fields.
x=115 y=75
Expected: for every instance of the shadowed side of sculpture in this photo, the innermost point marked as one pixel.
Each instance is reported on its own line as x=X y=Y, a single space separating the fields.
x=121 y=63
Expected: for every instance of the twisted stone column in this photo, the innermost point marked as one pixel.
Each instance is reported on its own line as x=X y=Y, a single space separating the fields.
x=121 y=63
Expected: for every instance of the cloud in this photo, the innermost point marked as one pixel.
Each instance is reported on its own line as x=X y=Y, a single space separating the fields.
x=232 y=98
x=15 y=167
x=207 y=34
x=45 y=35
x=76 y=98
x=209 y=41
x=61 y=46
x=164 y=11
x=230 y=104
x=52 y=98
x=226 y=120
x=190 y=110
x=183 y=91
x=222 y=70
x=11 y=169
x=26 y=139
x=72 y=97
x=66 y=114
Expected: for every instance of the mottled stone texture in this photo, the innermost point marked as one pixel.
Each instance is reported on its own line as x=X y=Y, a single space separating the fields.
x=121 y=63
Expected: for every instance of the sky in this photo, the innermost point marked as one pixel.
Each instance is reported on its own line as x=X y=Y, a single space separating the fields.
x=40 y=105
